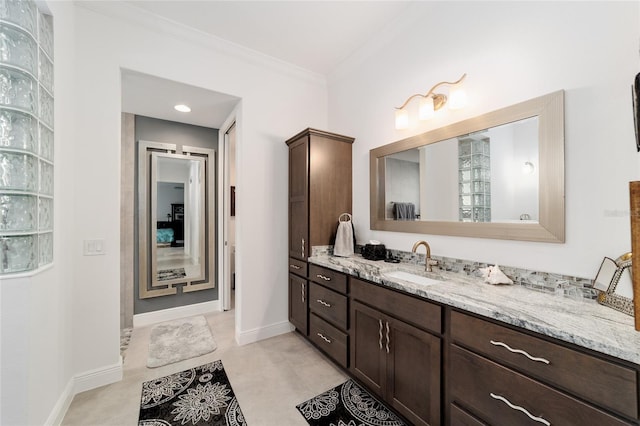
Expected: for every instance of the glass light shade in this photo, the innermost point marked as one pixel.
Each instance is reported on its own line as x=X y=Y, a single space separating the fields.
x=457 y=98
x=425 y=110
x=402 y=119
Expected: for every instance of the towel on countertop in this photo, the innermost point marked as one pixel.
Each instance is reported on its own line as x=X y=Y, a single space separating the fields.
x=344 y=245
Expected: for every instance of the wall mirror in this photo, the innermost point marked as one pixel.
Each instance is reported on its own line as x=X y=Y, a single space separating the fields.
x=176 y=232
x=499 y=175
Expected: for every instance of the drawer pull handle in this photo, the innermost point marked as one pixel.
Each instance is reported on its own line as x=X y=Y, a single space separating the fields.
x=380 y=333
x=302 y=252
x=516 y=407
x=294 y=266
x=302 y=291
x=323 y=338
x=519 y=351
x=323 y=277
x=323 y=303
x=387 y=336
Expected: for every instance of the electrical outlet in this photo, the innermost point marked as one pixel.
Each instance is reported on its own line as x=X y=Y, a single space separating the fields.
x=93 y=248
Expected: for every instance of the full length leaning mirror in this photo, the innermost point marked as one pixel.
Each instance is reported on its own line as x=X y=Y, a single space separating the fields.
x=175 y=213
x=499 y=175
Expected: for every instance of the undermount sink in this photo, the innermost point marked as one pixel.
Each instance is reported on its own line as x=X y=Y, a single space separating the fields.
x=413 y=278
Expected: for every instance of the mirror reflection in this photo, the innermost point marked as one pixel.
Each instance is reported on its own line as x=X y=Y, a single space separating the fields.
x=497 y=175
x=485 y=176
x=178 y=207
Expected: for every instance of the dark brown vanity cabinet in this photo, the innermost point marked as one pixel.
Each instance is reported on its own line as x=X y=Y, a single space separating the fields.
x=328 y=313
x=319 y=188
x=501 y=376
x=394 y=351
x=319 y=191
x=298 y=295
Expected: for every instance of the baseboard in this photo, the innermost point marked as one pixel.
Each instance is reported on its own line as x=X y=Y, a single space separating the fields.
x=257 y=334
x=98 y=377
x=148 y=318
x=62 y=405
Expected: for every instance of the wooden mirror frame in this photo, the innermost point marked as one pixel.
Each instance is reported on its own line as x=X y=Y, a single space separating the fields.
x=551 y=223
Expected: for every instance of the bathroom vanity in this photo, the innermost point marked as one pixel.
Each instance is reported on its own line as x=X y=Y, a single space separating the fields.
x=457 y=351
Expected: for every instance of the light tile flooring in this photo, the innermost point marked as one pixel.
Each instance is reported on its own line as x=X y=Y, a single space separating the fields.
x=269 y=378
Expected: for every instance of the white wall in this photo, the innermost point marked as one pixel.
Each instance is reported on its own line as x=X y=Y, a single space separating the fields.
x=511 y=51
x=277 y=102
x=36 y=312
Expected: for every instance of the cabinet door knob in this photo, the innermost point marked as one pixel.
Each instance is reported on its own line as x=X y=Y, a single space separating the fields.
x=380 y=333
x=519 y=351
x=323 y=303
x=518 y=408
x=323 y=338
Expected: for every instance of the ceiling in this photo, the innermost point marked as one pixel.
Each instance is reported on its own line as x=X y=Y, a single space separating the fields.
x=313 y=35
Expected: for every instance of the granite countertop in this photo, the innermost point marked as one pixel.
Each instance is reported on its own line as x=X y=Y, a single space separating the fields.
x=583 y=322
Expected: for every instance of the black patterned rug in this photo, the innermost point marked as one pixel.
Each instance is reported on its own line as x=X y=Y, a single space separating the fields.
x=198 y=396
x=347 y=405
x=171 y=274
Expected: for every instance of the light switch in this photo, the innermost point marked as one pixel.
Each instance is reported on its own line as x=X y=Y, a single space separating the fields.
x=93 y=248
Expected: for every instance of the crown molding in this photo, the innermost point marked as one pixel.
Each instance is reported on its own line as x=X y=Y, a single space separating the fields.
x=142 y=18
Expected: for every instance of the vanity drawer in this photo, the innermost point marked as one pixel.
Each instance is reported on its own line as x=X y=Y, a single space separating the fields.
x=329 y=305
x=460 y=417
x=488 y=388
x=596 y=380
x=329 y=339
x=423 y=314
x=298 y=267
x=328 y=278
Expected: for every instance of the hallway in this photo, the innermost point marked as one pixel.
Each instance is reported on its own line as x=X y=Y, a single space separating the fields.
x=269 y=378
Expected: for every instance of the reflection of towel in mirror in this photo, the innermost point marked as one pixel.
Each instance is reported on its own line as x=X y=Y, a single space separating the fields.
x=344 y=239
x=404 y=211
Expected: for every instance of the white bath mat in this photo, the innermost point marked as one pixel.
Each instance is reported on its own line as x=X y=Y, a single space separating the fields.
x=177 y=340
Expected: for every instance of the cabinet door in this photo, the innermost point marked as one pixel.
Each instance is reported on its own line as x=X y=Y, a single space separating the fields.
x=367 y=340
x=413 y=366
x=298 y=295
x=299 y=199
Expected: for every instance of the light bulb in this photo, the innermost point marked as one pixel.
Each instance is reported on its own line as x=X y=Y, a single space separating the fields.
x=182 y=108
x=402 y=119
x=457 y=98
x=425 y=111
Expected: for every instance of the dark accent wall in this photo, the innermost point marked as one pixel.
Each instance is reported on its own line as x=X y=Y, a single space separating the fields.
x=156 y=130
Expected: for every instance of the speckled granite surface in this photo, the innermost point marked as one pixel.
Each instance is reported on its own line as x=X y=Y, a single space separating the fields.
x=580 y=321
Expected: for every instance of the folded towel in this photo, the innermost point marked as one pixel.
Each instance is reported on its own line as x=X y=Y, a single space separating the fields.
x=344 y=238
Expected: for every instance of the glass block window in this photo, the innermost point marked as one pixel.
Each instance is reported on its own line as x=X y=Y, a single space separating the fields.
x=26 y=137
x=474 y=179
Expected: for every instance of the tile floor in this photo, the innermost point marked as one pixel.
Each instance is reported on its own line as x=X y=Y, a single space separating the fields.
x=269 y=378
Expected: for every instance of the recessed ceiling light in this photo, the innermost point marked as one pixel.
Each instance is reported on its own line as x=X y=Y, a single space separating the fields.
x=182 y=108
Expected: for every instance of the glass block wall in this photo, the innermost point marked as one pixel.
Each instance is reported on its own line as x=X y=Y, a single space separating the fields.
x=474 y=180
x=26 y=137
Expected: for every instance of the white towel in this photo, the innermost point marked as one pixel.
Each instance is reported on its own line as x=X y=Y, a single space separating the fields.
x=344 y=238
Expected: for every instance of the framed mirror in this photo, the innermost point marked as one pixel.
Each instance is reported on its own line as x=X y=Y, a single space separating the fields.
x=614 y=283
x=175 y=226
x=499 y=175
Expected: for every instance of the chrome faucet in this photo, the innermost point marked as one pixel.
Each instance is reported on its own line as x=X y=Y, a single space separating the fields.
x=427 y=261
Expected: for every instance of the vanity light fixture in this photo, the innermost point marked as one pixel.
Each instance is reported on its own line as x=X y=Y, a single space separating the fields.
x=431 y=102
x=182 y=108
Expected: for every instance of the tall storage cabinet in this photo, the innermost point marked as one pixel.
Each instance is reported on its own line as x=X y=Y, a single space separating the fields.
x=319 y=191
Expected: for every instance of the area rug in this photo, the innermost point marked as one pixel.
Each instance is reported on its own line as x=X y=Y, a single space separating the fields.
x=347 y=405
x=177 y=340
x=171 y=274
x=198 y=396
